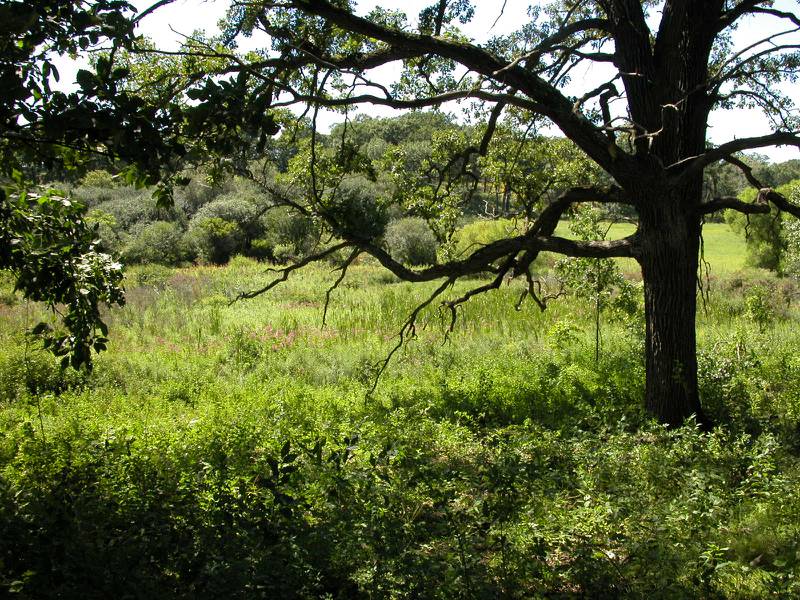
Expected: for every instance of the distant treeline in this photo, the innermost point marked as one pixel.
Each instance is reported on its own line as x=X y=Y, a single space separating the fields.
x=214 y=218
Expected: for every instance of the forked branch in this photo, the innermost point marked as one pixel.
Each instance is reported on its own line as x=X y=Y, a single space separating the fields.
x=288 y=270
x=761 y=203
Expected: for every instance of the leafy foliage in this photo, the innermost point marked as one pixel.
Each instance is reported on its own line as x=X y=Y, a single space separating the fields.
x=765 y=233
x=47 y=245
x=216 y=239
x=159 y=242
x=235 y=454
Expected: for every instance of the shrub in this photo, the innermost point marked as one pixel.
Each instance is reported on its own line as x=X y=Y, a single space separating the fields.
x=215 y=239
x=758 y=308
x=233 y=208
x=766 y=235
x=241 y=210
x=357 y=210
x=127 y=205
x=107 y=230
x=284 y=227
x=262 y=249
x=791 y=258
x=35 y=373
x=411 y=241
x=99 y=178
x=197 y=193
x=158 y=242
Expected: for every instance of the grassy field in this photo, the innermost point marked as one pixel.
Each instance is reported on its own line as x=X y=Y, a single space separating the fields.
x=237 y=450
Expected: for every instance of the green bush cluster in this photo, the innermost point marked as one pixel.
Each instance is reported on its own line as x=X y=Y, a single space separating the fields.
x=405 y=506
x=768 y=235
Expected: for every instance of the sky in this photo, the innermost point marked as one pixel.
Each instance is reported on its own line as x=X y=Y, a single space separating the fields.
x=169 y=24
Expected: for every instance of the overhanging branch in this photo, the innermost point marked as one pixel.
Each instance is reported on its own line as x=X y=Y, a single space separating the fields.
x=765 y=194
x=286 y=271
x=550 y=102
x=691 y=166
x=733 y=203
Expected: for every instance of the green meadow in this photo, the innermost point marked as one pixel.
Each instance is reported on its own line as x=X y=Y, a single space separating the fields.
x=239 y=450
x=723 y=249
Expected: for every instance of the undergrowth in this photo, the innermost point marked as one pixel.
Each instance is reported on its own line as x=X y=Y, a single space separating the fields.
x=236 y=450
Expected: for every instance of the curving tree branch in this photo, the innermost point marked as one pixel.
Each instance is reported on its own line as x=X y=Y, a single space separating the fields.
x=687 y=167
x=550 y=102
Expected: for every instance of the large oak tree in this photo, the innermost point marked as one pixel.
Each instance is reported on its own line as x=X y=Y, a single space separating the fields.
x=670 y=64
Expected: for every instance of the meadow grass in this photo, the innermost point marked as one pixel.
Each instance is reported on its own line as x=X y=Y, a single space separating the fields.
x=237 y=449
x=723 y=249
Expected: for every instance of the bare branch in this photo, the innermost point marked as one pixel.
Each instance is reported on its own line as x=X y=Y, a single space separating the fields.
x=286 y=271
x=780 y=201
x=554 y=41
x=407 y=330
x=452 y=305
x=549 y=100
x=548 y=220
x=349 y=261
x=500 y=16
x=751 y=7
x=408 y=104
x=734 y=72
x=534 y=289
x=151 y=9
x=689 y=166
x=765 y=194
x=746 y=170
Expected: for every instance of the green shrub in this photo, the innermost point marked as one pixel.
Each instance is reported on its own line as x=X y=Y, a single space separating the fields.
x=284 y=253
x=262 y=249
x=284 y=227
x=129 y=206
x=766 y=237
x=197 y=193
x=791 y=258
x=411 y=241
x=99 y=178
x=233 y=208
x=111 y=239
x=35 y=373
x=158 y=242
x=357 y=210
x=758 y=308
x=215 y=239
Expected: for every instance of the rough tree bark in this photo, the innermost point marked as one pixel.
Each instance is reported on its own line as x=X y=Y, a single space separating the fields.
x=669 y=239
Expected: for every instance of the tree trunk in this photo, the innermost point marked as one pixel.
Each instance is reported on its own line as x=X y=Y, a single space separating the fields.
x=670 y=242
